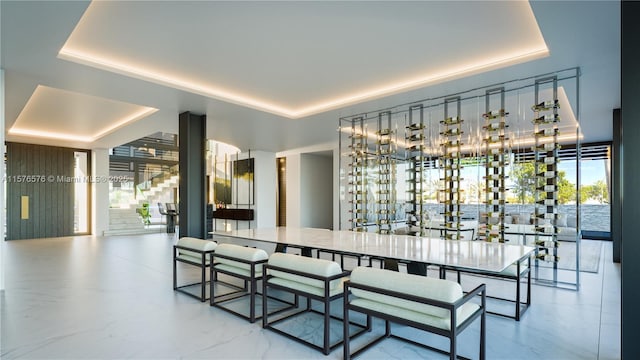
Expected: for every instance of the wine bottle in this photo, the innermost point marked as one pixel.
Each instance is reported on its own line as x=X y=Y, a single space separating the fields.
x=451 y=121
x=547 y=188
x=546 y=147
x=494 y=177
x=547 y=132
x=546 y=105
x=359 y=211
x=384 y=132
x=549 y=244
x=546 y=216
x=451 y=132
x=413 y=127
x=544 y=229
x=547 y=174
x=547 y=257
x=546 y=119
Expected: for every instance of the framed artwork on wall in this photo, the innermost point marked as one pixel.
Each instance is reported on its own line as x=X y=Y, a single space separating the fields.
x=243 y=182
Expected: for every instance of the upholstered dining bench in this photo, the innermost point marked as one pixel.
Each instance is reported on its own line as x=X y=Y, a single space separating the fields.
x=240 y=262
x=517 y=272
x=314 y=279
x=195 y=252
x=433 y=305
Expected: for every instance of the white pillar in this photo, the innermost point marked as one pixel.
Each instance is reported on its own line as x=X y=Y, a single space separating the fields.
x=100 y=191
x=265 y=184
x=2 y=175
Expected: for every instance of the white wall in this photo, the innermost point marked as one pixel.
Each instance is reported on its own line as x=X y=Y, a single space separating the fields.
x=266 y=183
x=2 y=174
x=299 y=184
x=100 y=191
x=316 y=191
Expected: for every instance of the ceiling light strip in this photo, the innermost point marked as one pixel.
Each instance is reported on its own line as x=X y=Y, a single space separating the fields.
x=224 y=95
x=128 y=70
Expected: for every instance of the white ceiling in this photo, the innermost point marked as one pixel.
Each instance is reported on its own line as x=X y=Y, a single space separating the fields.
x=253 y=66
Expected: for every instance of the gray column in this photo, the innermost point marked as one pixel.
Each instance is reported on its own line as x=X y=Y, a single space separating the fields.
x=630 y=177
x=192 y=207
x=2 y=201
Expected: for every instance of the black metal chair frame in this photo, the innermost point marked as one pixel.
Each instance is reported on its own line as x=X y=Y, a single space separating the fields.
x=250 y=288
x=520 y=307
x=358 y=257
x=202 y=265
x=450 y=334
x=326 y=300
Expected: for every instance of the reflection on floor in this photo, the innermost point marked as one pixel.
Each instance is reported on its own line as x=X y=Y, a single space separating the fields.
x=111 y=297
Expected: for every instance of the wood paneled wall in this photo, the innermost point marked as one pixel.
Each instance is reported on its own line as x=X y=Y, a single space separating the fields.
x=40 y=173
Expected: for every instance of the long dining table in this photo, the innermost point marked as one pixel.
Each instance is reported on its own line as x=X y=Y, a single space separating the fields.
x=448 y=254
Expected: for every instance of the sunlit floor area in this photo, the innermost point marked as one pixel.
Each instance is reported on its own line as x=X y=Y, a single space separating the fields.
x=111 y=297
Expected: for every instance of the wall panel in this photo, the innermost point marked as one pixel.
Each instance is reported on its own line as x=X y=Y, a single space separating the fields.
x=39 y=172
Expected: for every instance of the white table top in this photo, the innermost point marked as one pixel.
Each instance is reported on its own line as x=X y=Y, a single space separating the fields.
x=477 y=255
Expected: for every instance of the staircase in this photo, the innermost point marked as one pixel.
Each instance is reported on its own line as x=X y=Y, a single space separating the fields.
x=126 y=221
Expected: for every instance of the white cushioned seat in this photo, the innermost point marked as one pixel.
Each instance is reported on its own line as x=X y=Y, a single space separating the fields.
x=195 y=252
x=195 y=244
x=242 y=253
x=435 y=289
x=320 y=267
x=306 y=286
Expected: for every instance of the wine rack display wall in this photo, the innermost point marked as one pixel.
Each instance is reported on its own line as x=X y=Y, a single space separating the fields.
x=451 y=165
x=358 y=152
x=546 y=120
x=386 y=173
x=415 y=147
x=496 y=160
x=412 y=168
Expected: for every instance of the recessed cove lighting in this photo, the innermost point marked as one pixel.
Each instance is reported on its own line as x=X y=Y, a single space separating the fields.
x=298 y=78
x=66 y=115
x=49 y=135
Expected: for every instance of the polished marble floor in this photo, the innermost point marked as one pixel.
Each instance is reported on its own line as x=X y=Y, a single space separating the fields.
x=111 y=298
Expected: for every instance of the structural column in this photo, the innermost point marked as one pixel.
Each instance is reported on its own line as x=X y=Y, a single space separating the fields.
x=616 y=185
x=192 y=205
x=100 y=191
x=2 y=174
x=630 y=177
